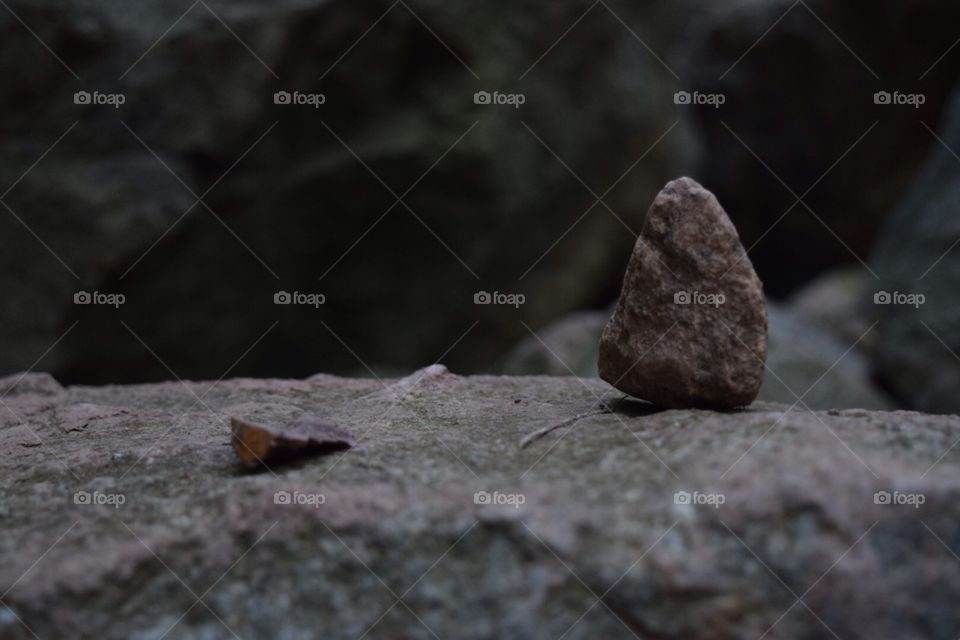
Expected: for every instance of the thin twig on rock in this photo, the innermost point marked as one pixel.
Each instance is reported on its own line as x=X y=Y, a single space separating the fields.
x=539 y=433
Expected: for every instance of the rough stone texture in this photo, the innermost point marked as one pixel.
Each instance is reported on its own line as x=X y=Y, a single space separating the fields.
x=299 y=199
x=799 y=98
x=599 y=517
x=919 y=253
x=709 y=351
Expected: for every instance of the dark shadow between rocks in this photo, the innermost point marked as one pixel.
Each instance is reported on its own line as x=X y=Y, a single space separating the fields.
x=633 y=407
x=636 y=408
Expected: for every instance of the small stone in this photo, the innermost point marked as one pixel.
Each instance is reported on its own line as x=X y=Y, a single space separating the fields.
x=690 y=328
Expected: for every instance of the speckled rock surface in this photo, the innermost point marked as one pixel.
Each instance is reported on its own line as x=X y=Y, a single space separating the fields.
x=122 y=506
x=690 y=328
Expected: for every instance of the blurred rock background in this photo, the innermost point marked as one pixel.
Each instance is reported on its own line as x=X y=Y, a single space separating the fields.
x=400 y=198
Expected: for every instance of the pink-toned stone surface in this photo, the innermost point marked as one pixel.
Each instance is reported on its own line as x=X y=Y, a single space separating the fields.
x=599 y=516
x=690 y=328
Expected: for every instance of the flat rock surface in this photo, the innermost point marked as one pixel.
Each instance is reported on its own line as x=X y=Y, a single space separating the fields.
x=126 y=514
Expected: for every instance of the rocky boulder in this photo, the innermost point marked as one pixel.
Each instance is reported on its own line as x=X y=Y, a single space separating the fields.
x=818 y=95
x=568 y=346
x=811 y=367
x=915 y=301
x=200 y=160
x=833 y=302
x=621 y=523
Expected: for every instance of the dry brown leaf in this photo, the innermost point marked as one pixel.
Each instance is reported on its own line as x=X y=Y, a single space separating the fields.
x=273 y=444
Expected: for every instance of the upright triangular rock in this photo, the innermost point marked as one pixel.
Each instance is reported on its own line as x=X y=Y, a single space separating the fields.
x=690 y=328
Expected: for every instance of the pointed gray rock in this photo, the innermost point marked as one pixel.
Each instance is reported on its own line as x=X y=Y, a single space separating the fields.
x=690 y=328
